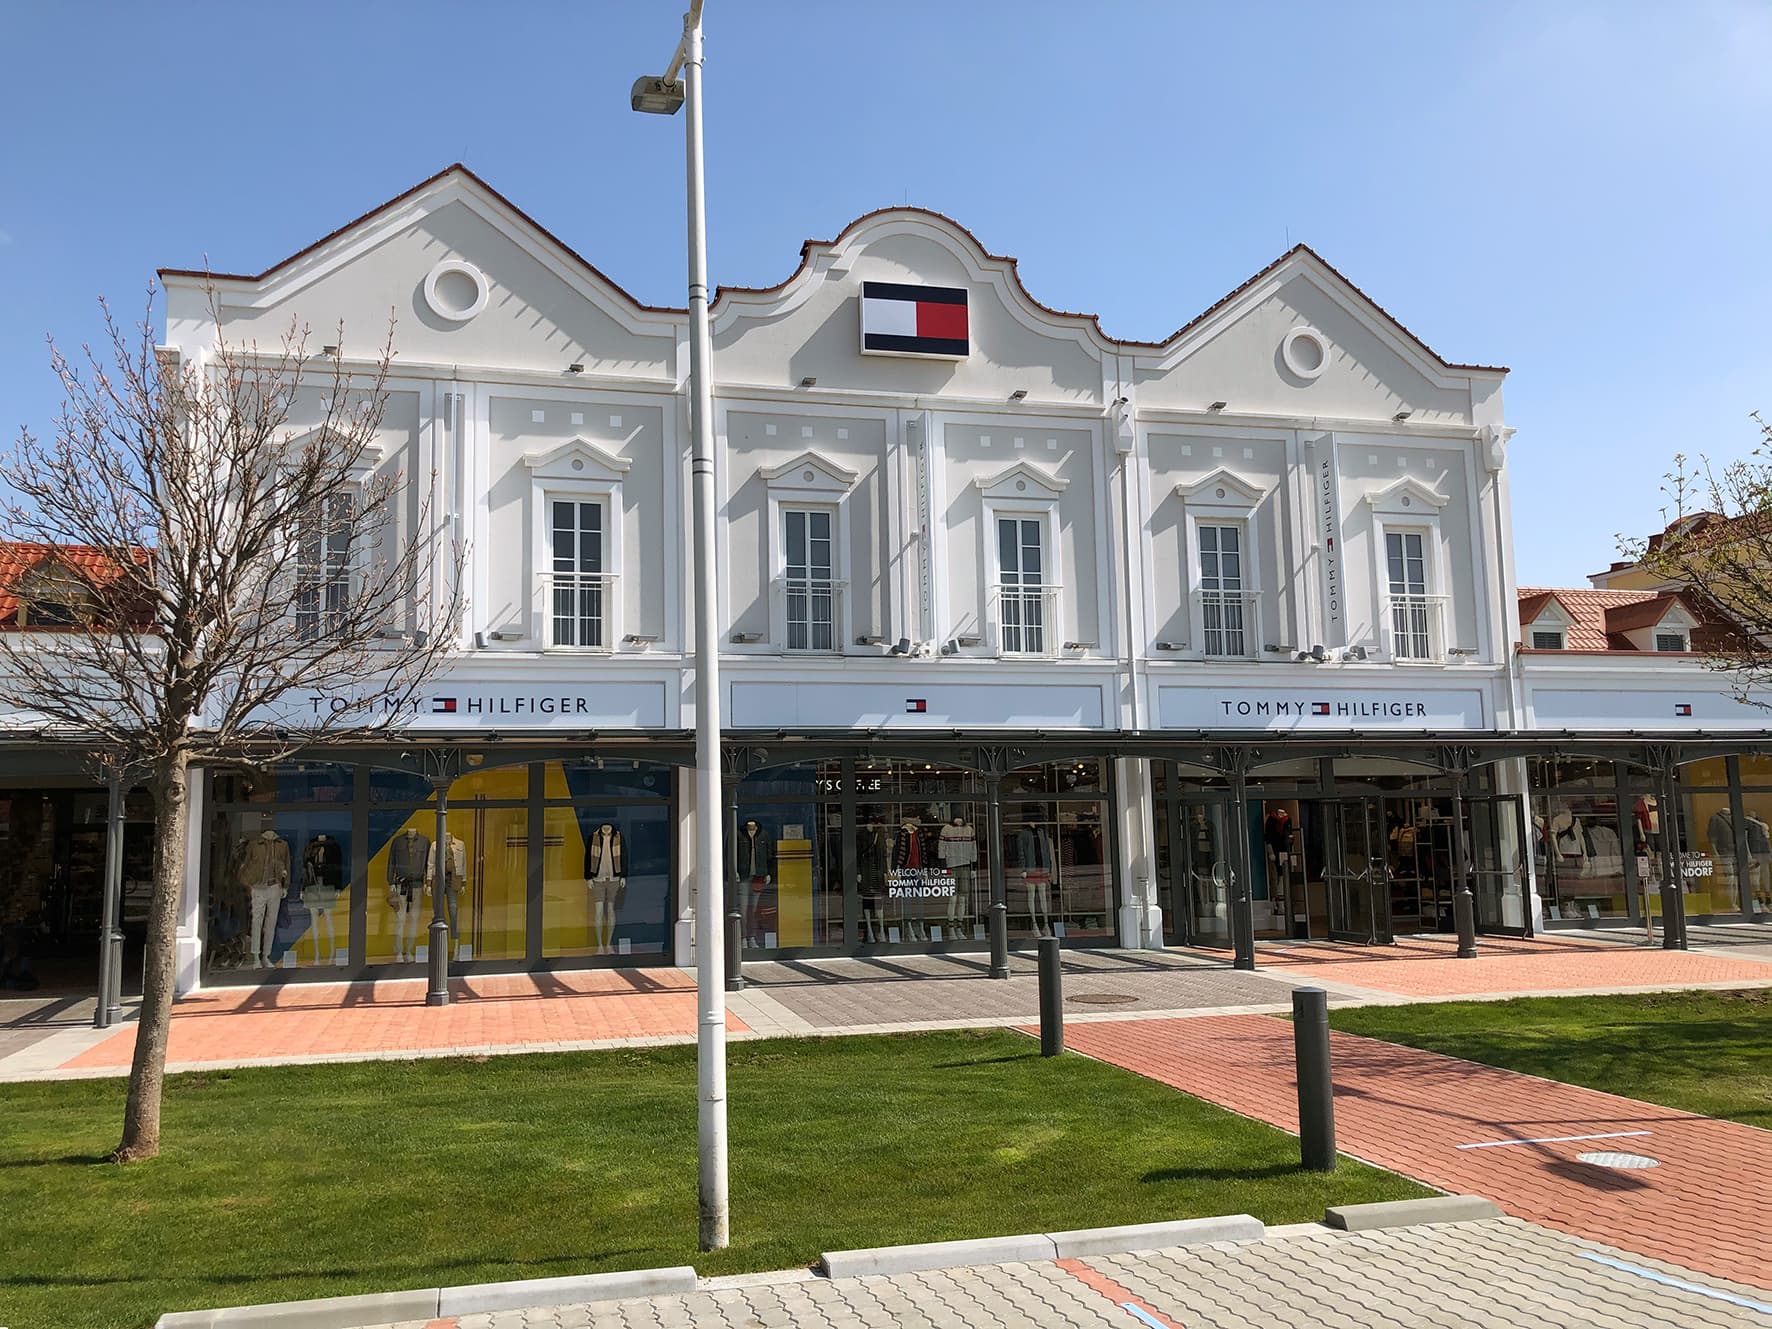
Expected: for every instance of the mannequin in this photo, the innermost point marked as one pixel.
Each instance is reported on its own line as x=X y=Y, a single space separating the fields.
x=606 y=878
x=908 y=855
x=322 y=881
x=264 y=871
x=1721 y=830
x=754 y=855
x=408 y=857
x=959 y=854
x=455 y=875
x=1759 y=854
x=1034 y=856
x=870 y=867
x=1277 y=831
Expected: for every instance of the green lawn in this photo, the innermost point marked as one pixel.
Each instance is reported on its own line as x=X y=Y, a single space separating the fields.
x=314 y=1181
x=1708 y=1052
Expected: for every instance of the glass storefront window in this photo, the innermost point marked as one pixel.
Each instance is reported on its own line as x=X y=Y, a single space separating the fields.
x=1756 y=769
x=1580 y=834
x=606 y=880
x=1709 y=870
x=290 y=782
x=279 y=889
x=787 y=861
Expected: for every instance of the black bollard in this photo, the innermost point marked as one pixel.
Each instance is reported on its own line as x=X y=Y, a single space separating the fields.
x=1464 y=912
x=1051 y=999
x=1316 y=1092
x=735 y=952
x=998 y=921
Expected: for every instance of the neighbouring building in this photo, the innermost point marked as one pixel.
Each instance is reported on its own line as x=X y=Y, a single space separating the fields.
x=1238 y=605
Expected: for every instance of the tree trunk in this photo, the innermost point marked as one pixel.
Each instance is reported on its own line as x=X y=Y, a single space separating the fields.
x=147 y=1073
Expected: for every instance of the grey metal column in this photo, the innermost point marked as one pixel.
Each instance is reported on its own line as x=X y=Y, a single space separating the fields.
x=1242 y=905
x=1464 y=904
x=734 y=926
x=999 y=912
x=110 y=945
x=1673 y=879
x=437 y=992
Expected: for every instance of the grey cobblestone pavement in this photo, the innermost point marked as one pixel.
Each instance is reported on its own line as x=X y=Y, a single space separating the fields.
x=1500 y=1272
x=917 y=989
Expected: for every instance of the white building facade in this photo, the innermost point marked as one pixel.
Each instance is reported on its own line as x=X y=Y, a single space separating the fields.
x=1011 y=610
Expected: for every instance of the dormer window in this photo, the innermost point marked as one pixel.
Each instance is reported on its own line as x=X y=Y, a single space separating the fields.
x=1548 y=639
x=1670 y=642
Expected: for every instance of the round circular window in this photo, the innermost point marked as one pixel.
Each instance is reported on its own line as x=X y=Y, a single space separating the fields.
x=455 y=290
x=1305 y=352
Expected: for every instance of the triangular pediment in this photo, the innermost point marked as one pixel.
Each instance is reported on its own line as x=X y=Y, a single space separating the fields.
x=592 y=462
x=810 y=471
x=324 y=435
x=1222 y=486
x=1417 y=492
x=1023 y=480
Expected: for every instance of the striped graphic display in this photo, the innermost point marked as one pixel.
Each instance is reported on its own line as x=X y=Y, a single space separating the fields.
x=914 y=320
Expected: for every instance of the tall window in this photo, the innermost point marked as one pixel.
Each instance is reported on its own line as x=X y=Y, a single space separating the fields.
x=809 y=586
x=1021 y=594
x=577 y=589
x=1411 y=638
x=323 y=568
x=1221 y=590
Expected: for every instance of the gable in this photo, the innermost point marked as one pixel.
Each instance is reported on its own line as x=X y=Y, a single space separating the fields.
x=1369 y=369
x=468 y=280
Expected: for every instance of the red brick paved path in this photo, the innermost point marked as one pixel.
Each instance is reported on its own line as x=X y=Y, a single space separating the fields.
x=1707 y=1206
x=1425 y=967
x=237 y=1024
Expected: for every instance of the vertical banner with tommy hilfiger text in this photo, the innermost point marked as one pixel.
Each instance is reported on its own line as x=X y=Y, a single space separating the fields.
x=1326 y=516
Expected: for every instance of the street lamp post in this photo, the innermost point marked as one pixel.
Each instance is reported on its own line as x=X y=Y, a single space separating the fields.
x=663 y=96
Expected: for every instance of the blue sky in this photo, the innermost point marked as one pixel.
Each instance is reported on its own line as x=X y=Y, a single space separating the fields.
x=1580 y=190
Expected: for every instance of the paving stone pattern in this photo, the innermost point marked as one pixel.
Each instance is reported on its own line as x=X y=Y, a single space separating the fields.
x=917 y=989
x=1706 y=1205
x=1500 y=1272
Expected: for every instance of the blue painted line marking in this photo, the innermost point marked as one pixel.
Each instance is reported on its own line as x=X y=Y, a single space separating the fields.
x=1680 y=1283
x=1134 y=1309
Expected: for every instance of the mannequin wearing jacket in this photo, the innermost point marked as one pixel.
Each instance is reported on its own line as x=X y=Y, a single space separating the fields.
x=754 y=855
x=454 y=876
x=323 y=878
x=606 y=875
x=870 y=868
x=407 y=857
x=263 y=869
x=1033 y=855
x=959 y=855
x=1759 y=854
x=1721 y=830
x=909 y=854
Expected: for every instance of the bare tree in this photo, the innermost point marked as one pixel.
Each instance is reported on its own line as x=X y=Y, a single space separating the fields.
x=1717 y=552
x=241 y=573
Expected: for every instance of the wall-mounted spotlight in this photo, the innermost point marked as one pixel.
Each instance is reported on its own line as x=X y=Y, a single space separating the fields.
x=1354 y=653
x=479 y=641
x=639 y=639
x=901 y=647
x=969 y=641
x=1462 y=651
x=1316 y=655
x=950 y=647
x=329 y=350
x=1172 y=646
x=1079 y=646
x=1272 y=649
x=507 y=633
x=1401 y=416
x=747 y=638
x=577 y=367
x=1218 y=406
x=870 y=641
x=1020 y=394
x=810 y=381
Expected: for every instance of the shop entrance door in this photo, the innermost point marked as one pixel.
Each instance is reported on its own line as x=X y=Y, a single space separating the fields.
x=1496 y=838
x=1204 y=873
x=1355 y=872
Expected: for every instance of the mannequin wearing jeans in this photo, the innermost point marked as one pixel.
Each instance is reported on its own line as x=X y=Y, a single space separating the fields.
x=453 y=874
x=322 y=880
x=1034 y=852
x=959 y=855
x=605 y=878
x=755 y=856
x=264 y=871
x=407 y=858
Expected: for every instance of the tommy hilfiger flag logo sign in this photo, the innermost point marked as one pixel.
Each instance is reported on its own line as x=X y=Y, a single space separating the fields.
x=916 y=705
x=443 y=706
x=1683 y=708
x=914 y=320
x=1319 y=708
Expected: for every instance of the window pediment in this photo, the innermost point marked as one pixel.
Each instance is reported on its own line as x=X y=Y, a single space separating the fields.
x=367 y=460
x=578 y=459
x=1021 y=482
x=1407 y=496
x=810 y=473
x=1224 y=488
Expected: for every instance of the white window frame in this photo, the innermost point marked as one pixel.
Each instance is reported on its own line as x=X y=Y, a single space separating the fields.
x=808 y=483
x=1553 y=618
x=368 y=458
x=1223 y=498
x=1024 y=492
x=577 y=472
x=1409 y=506
x=1555 y=630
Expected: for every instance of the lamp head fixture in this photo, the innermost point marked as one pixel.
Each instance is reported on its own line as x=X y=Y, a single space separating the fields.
x=576 y=367
x=902 y=646
x=653 y=95
x=329 y=350
x=1401 y=416
x=1218 y=406
x=1354 y=653
x=1319 y=654
x=809 y=381
x=1020 y=394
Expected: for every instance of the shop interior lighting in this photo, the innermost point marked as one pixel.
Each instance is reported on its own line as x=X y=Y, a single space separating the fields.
x=1218 y=406
x=746 y=638
x=1401 y=416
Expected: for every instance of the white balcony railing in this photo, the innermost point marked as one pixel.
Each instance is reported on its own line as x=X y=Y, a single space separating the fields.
x=576 y=610
x=1228 y=622
x=811 y=613
x=1415 y=627
x=1026 y=619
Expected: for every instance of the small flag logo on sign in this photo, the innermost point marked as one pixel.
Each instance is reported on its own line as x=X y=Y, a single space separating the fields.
x=914 y=320
x=1683 y=708
x=443 y=706
x=1319 y=708
x=916 y=706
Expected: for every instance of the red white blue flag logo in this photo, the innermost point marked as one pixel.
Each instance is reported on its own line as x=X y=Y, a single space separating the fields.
x=914 y=320
x=1683 y=708
x=1319 y=708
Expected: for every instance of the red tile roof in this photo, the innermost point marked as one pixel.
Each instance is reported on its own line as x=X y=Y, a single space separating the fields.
x=84 y=565
x=1601 y=617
